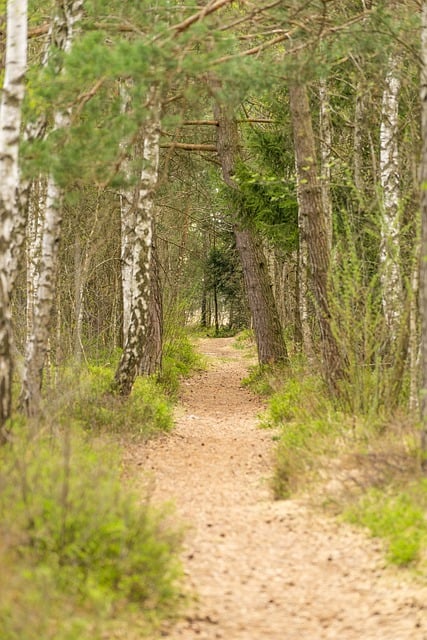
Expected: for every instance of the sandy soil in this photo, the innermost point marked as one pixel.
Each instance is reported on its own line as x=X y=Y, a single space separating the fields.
x=263 y=569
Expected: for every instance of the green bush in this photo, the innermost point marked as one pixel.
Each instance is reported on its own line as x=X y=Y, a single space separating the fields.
x=399 y=517
x=72 y=532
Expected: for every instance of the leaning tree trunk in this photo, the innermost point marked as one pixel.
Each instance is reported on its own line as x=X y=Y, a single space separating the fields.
x=423 y=269
x=311 y=206
x=10 y=123
x=136 y=337
x=267 y=328
x=61 y=37
x=389 y=169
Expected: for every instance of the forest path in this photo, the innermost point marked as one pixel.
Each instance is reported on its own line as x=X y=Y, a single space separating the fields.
x=262 y=569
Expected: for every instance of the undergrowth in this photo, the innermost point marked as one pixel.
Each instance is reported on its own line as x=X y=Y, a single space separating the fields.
x=366 y=466
x=81 y=557
x=397 y=514
x=80 y=554
x=144 y=413
x=180 y=359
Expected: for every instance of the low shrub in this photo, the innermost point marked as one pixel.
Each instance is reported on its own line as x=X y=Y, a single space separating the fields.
x=397 y=515
x=180 y=359
x=72 y=533
x=144 y=413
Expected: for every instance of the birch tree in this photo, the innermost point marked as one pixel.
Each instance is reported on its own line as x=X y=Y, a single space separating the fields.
x=389 y=170
x=141 y=233
x=10 y=124
x=62 y=32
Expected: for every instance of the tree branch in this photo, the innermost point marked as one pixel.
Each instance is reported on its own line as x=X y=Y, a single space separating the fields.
x=186 y=146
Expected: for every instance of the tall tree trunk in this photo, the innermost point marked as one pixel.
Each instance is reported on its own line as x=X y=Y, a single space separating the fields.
x=128 y=197
x=311 y=206
x=325 y=127
x=423 y=269
x=152 y=355
x=303 y=334
x=136 y=337
x=267 y=328
x=389 y=168
x=10 y=124
x=61 y=37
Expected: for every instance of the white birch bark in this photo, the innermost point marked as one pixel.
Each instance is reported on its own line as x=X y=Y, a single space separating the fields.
x=10 y=125
x=62 y=32
x=389 y=171
x=127 y=222
x=143 y=228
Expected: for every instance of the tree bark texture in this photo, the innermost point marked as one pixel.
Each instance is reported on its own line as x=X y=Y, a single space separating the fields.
x=61 y=36
x=10 y=123
x=314 y=227
x=325 y=126
x=136 y=337
x=423 y=268
x=267 y=328
x=153 y=349
x=389 y=171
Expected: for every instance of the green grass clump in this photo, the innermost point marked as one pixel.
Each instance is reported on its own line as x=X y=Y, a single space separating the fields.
x=399 y=517
x=180 y=359
x=72 y=533
x=309 y=428
x=144 y=413
x=265 y=380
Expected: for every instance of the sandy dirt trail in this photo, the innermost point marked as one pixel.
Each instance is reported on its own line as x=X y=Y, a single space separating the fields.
x=263 y=569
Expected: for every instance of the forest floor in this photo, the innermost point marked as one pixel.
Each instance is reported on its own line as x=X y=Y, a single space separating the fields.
x=261 y=569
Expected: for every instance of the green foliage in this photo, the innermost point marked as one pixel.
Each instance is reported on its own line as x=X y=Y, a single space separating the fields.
x=223 y=273
x=180 y=359
x=269 y=200
x=373 y=363
x=144 y=413
x=397 y=516
x=264 y=379
x=74 y=535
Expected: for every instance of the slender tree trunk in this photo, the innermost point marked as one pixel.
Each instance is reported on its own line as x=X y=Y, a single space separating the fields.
x=128 y=197
x=35 y=208
x=267 y=328
x=152 y=355
x=136 y=337
x=311 y=205
x=325 y=126
x=389 y=169
x=303 y=290
x=414 y=350
x=10 y=124
x=61 y=37
x=423 y=269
